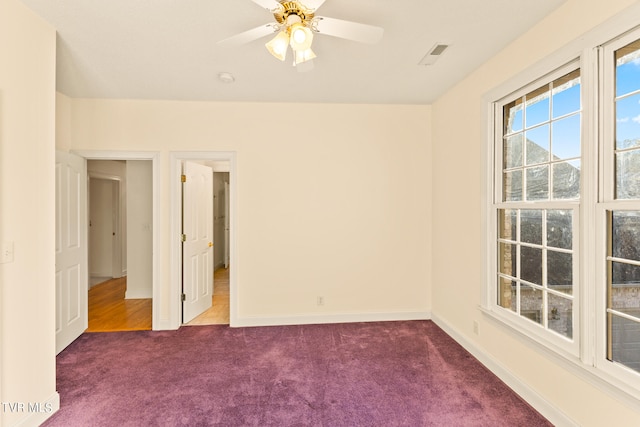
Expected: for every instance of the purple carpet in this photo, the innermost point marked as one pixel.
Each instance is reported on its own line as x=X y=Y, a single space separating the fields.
x=355 y=374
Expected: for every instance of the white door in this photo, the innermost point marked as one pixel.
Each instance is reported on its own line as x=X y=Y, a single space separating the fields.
x=71 y=240
x=226 y=225
x=197 y=247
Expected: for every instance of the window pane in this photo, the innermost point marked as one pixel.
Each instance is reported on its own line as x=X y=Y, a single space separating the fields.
x=538 y=183
x=507 y=293
x=566 y=94
x=627 y=69
x=559 y=315
x=560 y=271
x=507 y=259
x=513 y=151
x=531 y=226
x=625 y=279
x=559 y=229
x=531 y=264
x=566 y=137
x=531 y=303
x=513 y=117
x=628 y=122
x=508 y=223
x=566 y=180
x=625 y=342
x=628 y=175
x=537 y=107
x=512 y=188
x=537 y=145
x=625 y=240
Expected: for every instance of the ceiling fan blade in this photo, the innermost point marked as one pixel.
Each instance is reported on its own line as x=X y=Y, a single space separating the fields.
x=267 y=4
x=249 y=35
x=362 y=33
x=313 y=4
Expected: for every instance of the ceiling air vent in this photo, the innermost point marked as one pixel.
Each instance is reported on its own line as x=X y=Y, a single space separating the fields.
x=433 y=55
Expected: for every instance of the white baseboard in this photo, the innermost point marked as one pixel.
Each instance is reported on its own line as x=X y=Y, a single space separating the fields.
x=548 y=410
x=138 y=295
x=41 y=412
x=330 y=318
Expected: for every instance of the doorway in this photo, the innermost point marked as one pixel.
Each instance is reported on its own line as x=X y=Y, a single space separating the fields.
x=134 y=272
x=220 y=162
x=218 y=313
x=120 y=245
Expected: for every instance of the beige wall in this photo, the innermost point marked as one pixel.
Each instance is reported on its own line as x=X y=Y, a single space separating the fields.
x=458 y=225
x=332 y=200
x=27 y=204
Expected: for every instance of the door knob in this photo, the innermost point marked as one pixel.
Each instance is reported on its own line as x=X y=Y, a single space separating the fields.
x=210 y=244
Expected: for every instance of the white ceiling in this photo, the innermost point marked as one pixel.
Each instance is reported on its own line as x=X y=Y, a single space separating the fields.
x=166 y=49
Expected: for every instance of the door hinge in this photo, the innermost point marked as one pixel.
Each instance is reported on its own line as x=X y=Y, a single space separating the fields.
x=183 y=178
x=183 y=237
x=183 y=297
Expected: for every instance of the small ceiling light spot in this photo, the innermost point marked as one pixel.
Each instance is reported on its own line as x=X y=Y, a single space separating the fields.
x=226 y=77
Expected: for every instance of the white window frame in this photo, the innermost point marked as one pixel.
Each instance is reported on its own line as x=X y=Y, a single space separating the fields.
x=569 y=347
x=606 y=203
x=586 y=357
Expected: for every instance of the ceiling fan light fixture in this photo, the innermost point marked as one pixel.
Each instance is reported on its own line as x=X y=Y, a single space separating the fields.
x=295 y=25
x=301 y=37
x=303 y=56
x=278 y=45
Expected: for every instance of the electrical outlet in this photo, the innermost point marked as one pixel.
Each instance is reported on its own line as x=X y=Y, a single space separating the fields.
x=6 y=252
x=320 y=300
x=475 y=327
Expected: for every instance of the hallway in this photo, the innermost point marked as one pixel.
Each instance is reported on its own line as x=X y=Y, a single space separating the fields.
x=218 y=314
x=109 y=311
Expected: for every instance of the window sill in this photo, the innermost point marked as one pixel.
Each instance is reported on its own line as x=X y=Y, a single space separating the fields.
x=612 y=386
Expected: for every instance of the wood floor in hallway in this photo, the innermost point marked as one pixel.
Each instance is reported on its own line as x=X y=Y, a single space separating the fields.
x=218 y=314
x=109 y=311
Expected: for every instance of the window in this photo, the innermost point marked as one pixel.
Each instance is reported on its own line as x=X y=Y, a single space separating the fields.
x=563 y=263
x=538 y=162
x=621 y=203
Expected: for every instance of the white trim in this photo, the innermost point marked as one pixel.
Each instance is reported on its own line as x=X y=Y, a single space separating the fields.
x=34 y=419
x=154 y=156
x=613 y=387
x=312 y=319
x=607 y=202
x=542 y=405
x=494 y=203
x=175 y=264
x=589 y=195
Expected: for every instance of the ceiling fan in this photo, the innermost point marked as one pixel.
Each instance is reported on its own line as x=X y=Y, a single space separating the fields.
x=295 y=25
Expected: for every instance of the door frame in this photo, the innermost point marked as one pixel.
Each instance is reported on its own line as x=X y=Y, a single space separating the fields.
x=154 y=157
x=175 y=160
